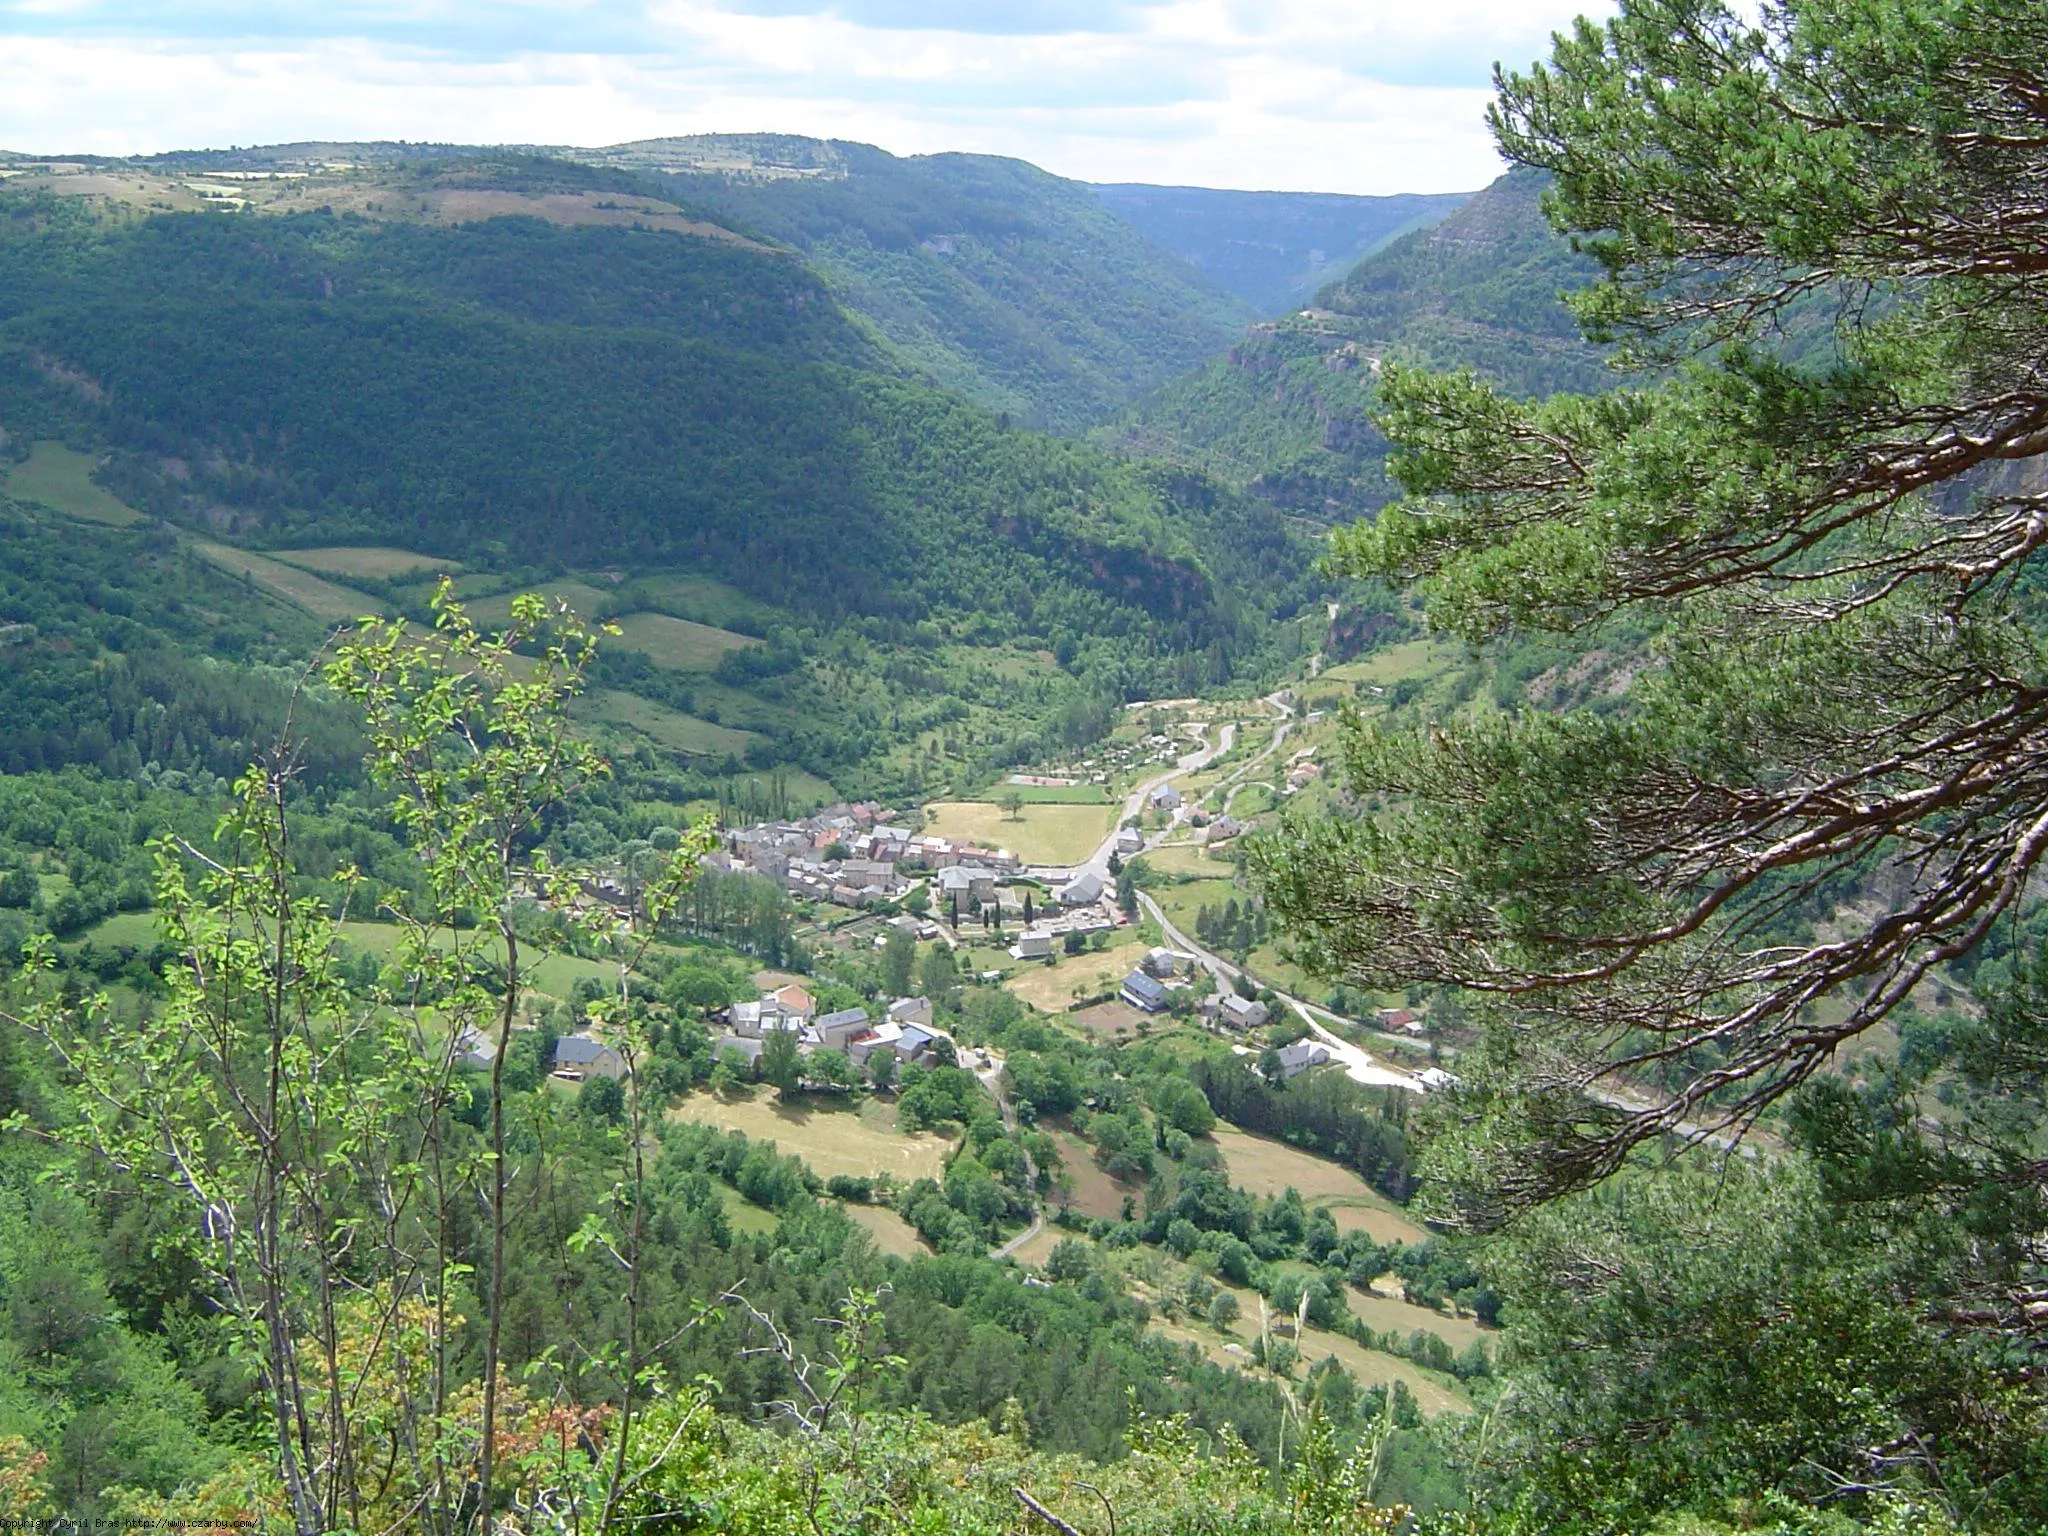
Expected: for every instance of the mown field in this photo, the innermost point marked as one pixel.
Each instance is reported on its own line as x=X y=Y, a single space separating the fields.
x=1266 y=1167
x=362 y=560
x=858 y=1141
x=668 y=727
x=682 y=645
x=322 y=599
x=892 y=1234
x=1041 y=834
x=1052 y=988
x=60 y=478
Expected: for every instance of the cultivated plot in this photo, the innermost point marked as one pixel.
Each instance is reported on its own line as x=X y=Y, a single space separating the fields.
x=1040 y=834
x=859 y=1142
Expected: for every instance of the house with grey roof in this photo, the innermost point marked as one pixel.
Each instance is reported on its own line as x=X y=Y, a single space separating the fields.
x=584 y=1056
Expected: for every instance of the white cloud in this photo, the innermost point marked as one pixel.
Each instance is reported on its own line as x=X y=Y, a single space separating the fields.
x=1329 y=95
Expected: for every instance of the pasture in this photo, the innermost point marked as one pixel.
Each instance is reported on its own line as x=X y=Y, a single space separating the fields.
x=695 y=597
x=302 y=589
x=60 y=478
x=1265 y=1167
x=1188 y=860
x=1051 y=988
x=555 y=975
x=667 y=727
x=1042 y=834
x=682 y=645
x=586 y=600
x=363 y=560
x=1370 y=1367
x=892 y=1234
x=1092 y=1192
x=860 y=1141
x=745 y=1217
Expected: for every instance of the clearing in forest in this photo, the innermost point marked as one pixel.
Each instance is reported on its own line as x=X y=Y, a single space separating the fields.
x=681 y=645
x=302 y=589
x=366 y=560
x=1092 y=1191
x=857 y=1140
x=1265 y=1167
x=1042 y=834
x=669 y=727
x=60 y=478
x=892 y=1234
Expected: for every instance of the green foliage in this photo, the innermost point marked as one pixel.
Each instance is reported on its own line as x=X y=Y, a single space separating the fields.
x=1289 y=412
x=1009 y=286
x=404 y=388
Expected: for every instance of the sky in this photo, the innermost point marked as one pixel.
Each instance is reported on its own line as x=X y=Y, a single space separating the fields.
x=1366 y=96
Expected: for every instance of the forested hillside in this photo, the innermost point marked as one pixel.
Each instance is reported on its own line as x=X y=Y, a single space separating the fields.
x=1284 y=414
x=1013 y=287
x=521 y=390
x=1274 y=250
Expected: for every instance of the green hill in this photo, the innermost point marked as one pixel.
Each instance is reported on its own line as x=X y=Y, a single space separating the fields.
x=1012 y=287
x=575 y=381
x=1274 y=250
x=1285 y=412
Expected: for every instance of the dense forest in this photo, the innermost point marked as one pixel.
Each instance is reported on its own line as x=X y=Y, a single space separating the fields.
x=1005 y=284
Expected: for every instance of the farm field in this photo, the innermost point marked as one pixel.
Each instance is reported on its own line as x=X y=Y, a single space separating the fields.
x=60 y=478
x=588 y=601
x=1184 y=859
x=1044 y=834
x=1370 y=1367
x=682 y=645
x=1385 y=1314
x=1095 y=1193
x=365 y=560
x=1266 y=1167
x=858 y=1142
x=1112 y=1019
x=1051 y=988
x=669 y=727
x=892 y=1234
x=695 y=597
x=322 y=599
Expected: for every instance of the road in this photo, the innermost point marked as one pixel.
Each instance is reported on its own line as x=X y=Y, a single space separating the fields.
x=992 y=1079
x=1134 y=802
x=1360 y=1065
